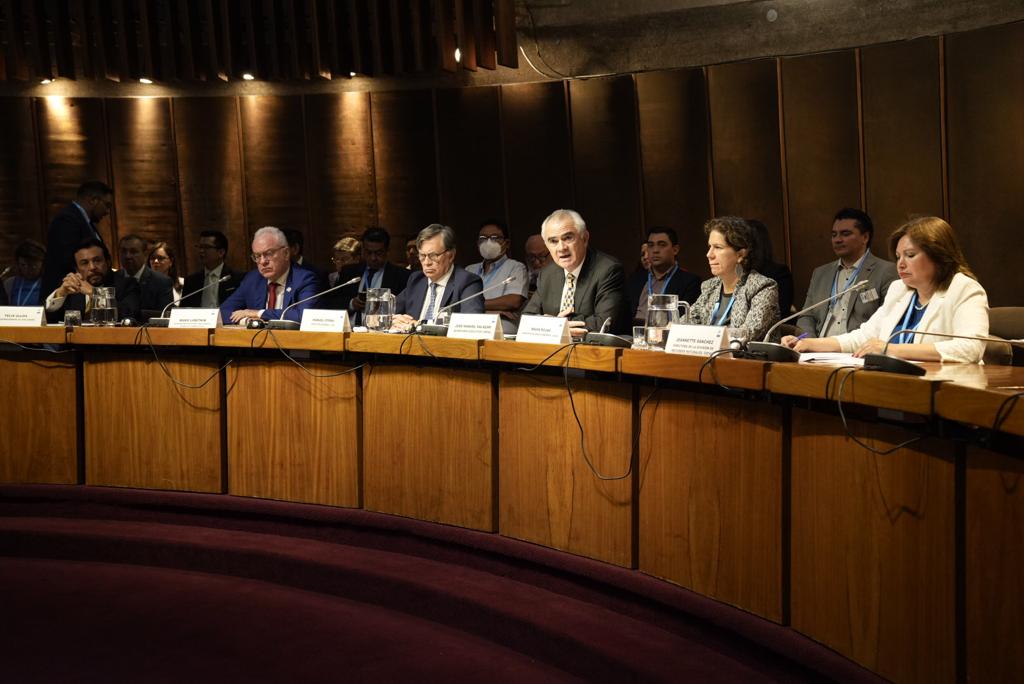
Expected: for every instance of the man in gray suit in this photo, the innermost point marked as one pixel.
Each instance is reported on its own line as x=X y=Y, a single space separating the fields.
x=852 y=231
x=580 y=284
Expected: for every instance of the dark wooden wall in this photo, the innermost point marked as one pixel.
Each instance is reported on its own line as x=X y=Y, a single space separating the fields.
x=927 y=127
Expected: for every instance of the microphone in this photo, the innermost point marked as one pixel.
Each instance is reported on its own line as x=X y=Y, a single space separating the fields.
x=427 y=328
x=604 y=339
x=890 y=364
x=3 y=273
x=775 y=352
x=281 y=324
x=163 y=322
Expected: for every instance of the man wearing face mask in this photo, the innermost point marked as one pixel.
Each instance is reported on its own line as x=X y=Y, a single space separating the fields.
x=506 y=301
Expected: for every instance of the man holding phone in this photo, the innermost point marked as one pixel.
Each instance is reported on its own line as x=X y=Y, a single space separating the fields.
x=375 y=271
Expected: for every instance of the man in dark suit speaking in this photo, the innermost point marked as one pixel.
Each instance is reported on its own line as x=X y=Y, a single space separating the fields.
x=440 y=283
x=68 y=229
x=581 y=284
x=273 y=286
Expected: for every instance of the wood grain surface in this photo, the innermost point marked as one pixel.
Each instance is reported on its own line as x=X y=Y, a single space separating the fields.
x=739 y=373
x=278 y=339
x=33 y=335
x=415 y=345
x=870 y=388
x=710 y=497
x=548 y=494
x=583 y=356
x=291 y=436
x=178 y=337
x=982 y=407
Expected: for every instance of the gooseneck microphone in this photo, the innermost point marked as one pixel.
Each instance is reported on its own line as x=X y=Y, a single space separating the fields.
x=3 y=273
x=281 y=324
x=890 y=364
x=163 y=322
x=772 y=351
x=428 y=328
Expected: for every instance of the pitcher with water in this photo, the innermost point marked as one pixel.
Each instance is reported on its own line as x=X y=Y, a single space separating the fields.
x=104 y=306
x=380 y=308
x=662 y=312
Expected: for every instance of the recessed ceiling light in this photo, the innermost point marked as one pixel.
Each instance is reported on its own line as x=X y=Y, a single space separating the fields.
x=248 y=77
x=351 y=74
x=46 y=81
x=458 y=55
x=145 y=81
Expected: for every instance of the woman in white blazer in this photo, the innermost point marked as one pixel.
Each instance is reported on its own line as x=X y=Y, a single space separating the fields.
x=936 y=292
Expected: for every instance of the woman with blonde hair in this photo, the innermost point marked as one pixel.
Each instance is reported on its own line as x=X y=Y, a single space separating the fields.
x=347 y=250
x=936 y=292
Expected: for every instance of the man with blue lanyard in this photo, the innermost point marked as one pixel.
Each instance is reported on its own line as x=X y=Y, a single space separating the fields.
x=76 y=222
x=852 y=231
x=664 y=277
x=493 y=243
x=374 y=272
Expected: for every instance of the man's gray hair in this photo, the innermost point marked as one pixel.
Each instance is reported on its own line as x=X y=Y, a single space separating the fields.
x=434 y=229
x=561 y=216
x=276 y=233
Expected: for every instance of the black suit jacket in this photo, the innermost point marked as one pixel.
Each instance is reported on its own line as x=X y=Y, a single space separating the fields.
x=67 y=229
x=156 y=291
x=683 y=284
x=394 y=278
x=195 y=281
x=126 y=289
x=600 y=293
x=462 y=284
x=783 y=277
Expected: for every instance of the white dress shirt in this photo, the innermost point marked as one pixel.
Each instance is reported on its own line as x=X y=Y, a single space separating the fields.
x=439 y=297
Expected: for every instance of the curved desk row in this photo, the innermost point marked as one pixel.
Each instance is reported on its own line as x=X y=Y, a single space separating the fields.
x=908 y=563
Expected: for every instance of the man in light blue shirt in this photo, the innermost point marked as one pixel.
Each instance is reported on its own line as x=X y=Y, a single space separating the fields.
x=507 y=300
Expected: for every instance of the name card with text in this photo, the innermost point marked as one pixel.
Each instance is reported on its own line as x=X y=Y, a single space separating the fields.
x=544 y=329
x=194 y=318
x=696 y=340
x=12 y=316
x=325 y=320
x=465 y=326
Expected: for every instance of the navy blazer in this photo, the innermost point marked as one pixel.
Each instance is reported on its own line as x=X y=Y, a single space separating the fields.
x=462 y=284
x=252 y=294
x=67 y=229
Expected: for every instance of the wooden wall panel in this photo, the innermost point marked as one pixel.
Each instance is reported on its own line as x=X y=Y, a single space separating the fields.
x=743 y=100
x=339 y=148
x=673 y=111
x=819 y=104
x=210 y=172
x=873 y=547
x=986 y=152
x=274 y=162
x=902 y=125
x=405 y=161
x=606 y=163
x=469 y=158
x=20 y=215
x=142 y=158
x=538 y=156
x=994 y=567
x=72 y=150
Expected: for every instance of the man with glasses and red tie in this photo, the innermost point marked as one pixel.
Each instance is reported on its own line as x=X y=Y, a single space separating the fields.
x=273 y=286
x=440 y=283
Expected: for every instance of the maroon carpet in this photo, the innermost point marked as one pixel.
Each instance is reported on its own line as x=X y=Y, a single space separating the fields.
x=119 y=585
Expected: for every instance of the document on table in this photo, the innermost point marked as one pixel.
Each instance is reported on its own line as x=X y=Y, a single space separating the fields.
x=831 y=359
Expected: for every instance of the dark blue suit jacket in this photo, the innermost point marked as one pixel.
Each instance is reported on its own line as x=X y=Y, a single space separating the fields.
x=461 y=285
x=252 y=294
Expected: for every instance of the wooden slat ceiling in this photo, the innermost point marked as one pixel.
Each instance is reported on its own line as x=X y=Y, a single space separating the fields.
x=280 y=40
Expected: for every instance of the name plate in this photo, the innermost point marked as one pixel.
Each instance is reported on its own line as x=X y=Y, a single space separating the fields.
x=543 y=329
x=21 y=316
x=194 y=318
x=325 y=320
x=696 y=340
x=464 y=326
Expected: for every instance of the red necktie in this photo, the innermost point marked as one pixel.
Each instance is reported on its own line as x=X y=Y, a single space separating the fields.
x=271 y=295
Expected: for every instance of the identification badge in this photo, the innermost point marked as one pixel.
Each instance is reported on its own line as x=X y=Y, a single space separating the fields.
x=868 y=296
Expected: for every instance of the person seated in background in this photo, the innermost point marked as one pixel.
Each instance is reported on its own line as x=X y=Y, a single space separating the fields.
x=936 y=292
x=156 y=288
x=664 y=275
x=25 y=288
x=273 y=286
x=412 y=260
x=212 y=248
x=295 y=246
x=374 y=272
x=92 y=270
x=493 y=243
x=439 y=284
x=346 y=251
x=537 y=257
x=163 y=260
x=852 y=231
x=778 y=272
x=581 y=284
x=736 y=295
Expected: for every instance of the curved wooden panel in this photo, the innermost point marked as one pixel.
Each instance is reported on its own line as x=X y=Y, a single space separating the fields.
x=20 y=215
x=210 y=171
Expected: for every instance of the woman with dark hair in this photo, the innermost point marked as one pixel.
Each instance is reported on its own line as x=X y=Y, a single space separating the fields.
x=778 y=272
x=162 y=259
x=736 y=295
x=936 y=292
x=25 y=288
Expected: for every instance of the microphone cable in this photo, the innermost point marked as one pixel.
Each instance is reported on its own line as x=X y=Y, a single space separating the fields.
x=143 y=332
x=284 y=352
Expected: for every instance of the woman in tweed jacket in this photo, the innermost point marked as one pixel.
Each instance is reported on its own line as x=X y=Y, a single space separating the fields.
x=737 y=295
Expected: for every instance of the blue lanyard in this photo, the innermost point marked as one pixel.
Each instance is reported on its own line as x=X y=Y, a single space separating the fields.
x=24 y=299
x=487 y=277
x=852 y=279
x=725 y=314
x=908 y=336
x=650 y=280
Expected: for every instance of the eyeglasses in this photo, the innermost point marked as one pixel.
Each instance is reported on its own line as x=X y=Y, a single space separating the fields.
x=159 y=259
x=432 y=258
x=269 y=254
x=492 y=238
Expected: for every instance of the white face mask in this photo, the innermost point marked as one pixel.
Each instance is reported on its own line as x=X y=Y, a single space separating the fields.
x=490 y=250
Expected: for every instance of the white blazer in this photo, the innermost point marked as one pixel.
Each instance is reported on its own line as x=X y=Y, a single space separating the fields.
x=962 y=309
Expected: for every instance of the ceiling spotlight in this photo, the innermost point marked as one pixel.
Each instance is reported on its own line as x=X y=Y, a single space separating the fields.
x=248 y=77
x=351 y=74
x=458 y=55
x=145 y=81
x=46 y=81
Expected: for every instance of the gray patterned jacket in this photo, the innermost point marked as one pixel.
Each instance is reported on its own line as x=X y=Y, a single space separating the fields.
x=756 y=308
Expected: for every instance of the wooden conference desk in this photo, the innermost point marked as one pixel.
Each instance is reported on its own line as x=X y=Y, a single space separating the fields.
x=908 y=563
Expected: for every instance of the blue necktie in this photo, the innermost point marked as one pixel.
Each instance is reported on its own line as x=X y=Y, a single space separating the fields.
x=430 y=306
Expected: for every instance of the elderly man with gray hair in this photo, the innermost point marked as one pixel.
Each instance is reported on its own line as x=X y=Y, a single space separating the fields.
x=273 y=286
x=439 y=284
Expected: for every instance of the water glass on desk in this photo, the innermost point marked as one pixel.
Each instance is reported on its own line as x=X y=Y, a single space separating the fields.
x=639 y=337
x=104 y=306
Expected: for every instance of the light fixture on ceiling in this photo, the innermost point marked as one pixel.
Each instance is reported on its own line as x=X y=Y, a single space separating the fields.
x=458 y=55
x=47 y=81
x=146 y=81
x=248 y=77
x=351 y=74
